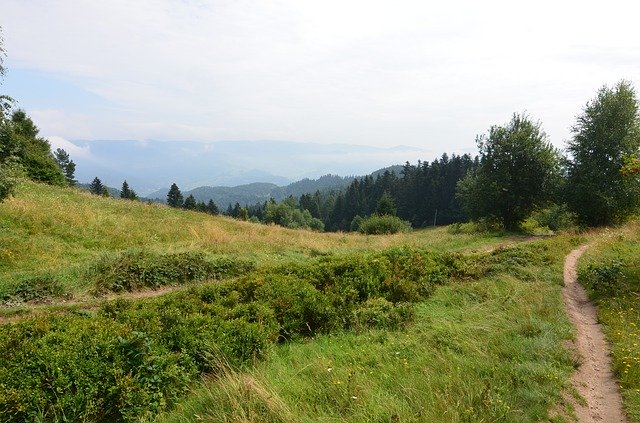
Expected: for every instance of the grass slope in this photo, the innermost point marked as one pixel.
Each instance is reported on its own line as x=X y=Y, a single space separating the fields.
x=63 y=233
x=424 y=326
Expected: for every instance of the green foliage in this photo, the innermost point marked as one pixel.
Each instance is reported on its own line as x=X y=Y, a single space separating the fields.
x=96 y=186
x=190 y=203
x=603 y=279
x=10 y=173
x=386 y=205
x=606 y=138
x=490 y=350
x=482 y=225
x=127 y=193
x=19 y=141
x=519 y=171
x=174 y=196
x=41 y=288
x=132 y=358
x=383 y=225
x=556 y=217
x=65 y=164
x=135 y=270
x=288 y=215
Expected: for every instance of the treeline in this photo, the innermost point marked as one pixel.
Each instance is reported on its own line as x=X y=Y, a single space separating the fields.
x=519 y=179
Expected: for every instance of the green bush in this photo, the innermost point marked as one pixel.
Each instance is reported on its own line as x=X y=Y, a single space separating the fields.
x=131 y=359
x=476 y=226
x=134 y=270
x=381 y=225
x=380 y=313
x=40 y=288
x=603 y=279
x=556 y=217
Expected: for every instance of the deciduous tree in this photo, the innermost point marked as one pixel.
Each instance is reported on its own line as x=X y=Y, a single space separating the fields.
x=519 y=170
x=606 y=142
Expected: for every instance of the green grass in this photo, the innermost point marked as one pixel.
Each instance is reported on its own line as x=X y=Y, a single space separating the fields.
x=485 y=350
x=420 y=326
x=611 y=272
x=62 y=234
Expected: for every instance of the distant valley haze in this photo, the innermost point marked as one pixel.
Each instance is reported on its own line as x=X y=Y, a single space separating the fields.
x=152 y=165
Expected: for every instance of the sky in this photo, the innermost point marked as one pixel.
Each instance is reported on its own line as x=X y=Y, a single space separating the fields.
x=425 y=74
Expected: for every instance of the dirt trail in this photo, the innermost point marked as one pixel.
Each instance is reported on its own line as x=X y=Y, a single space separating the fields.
x=593 y=379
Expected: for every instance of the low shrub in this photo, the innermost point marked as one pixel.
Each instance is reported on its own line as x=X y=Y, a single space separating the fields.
x=131 y=359
x=603 y=279
x=479 y=226
x=381 y=225
x=41 y=288
x=382 y=314
x=556 y=217
x=134 y=270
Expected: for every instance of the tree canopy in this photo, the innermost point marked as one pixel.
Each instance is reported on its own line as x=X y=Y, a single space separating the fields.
x=174 y=196
x=605 y=144
x=519 y=170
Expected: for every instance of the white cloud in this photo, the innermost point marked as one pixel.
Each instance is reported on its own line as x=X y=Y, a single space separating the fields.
x=73 y=150
x=430 y=74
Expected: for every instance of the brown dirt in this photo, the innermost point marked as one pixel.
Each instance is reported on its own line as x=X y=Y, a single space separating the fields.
x=594 y=379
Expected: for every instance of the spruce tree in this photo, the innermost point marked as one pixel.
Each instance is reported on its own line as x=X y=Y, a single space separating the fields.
x=67 y=165
x=174 y=197
x=190 y=203
x=125 y=192
x=96 y=186
x=212 y=208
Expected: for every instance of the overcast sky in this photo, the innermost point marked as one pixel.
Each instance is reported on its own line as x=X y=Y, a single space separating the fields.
x=426 y=74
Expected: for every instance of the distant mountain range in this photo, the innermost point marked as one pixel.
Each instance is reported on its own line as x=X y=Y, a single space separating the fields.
x=259 y=192
x=149 y=166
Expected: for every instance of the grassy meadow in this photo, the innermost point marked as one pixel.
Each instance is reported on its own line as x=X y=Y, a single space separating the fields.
x=63 y=234
x=275 y=325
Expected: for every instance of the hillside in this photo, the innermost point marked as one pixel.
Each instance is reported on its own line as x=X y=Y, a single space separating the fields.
x=63 y=232
x=295 y=325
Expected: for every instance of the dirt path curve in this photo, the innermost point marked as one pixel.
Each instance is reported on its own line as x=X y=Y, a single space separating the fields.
x=593 y=379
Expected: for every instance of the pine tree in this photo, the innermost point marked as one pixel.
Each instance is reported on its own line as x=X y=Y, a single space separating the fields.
x=96 y=186
x=67 y=165
x=127 y=193
x=190 y=203
x=174 y=197
x=212 y=208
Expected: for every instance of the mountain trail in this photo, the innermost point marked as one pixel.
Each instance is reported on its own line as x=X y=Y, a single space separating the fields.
x=594 y=379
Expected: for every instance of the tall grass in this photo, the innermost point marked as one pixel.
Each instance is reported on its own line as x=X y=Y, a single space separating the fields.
x=487 y=350
x=61 y=233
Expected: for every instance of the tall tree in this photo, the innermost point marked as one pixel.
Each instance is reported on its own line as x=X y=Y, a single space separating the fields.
x=212 y=208
x=190 y=203
x=519 y=170
x=127 y=193
x=96 y=187
x=174 y=196
x=606 y=136
x=67 y=165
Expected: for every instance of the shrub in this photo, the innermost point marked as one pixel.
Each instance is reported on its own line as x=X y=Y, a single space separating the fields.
x=37 y=288
x=380 y=225
x=134 y=270
x=604 y=279
x=380 y=313
x=476 y=226
x=556 y=217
